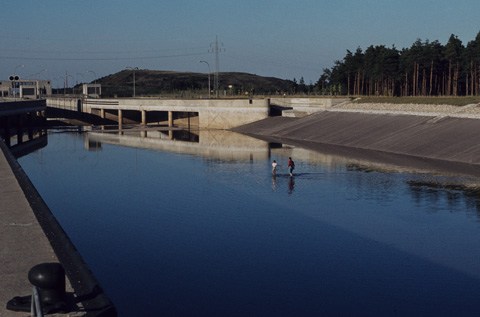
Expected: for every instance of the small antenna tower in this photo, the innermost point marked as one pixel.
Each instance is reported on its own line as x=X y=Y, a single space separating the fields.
x=216 y=49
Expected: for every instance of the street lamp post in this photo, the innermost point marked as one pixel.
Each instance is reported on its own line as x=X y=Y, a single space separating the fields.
x=83 y=79
x=133 y=69
x=73 y=84
x=56 y=79
x=37 y=75
x=208 y=76
x=14 y=80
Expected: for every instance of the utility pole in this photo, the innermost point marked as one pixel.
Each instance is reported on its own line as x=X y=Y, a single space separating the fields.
x=216 y=49
x=133 y=69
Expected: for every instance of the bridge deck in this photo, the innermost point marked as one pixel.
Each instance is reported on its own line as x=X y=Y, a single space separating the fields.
x=21 y=107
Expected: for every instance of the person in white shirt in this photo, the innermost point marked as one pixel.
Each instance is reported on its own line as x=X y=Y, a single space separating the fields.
x=274 y=167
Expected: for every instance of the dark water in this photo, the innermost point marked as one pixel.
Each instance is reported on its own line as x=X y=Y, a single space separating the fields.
x=170 y=232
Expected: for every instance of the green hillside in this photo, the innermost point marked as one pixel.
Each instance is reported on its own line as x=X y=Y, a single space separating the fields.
x=195 y=85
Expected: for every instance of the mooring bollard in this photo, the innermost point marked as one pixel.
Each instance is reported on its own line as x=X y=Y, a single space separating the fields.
x=49 y=278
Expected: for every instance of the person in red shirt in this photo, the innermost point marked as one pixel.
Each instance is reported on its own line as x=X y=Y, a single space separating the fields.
x=291 y=166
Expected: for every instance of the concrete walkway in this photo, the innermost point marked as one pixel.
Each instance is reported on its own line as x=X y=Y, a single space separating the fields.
x=23 y=243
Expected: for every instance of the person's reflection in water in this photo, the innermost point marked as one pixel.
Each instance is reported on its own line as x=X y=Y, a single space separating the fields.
x=291 y=185
x=274 y=182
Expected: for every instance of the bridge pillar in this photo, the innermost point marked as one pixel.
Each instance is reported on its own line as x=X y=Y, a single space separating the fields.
x=102 y=113
x=144 y=117
x=170 y=118
x=120 y=119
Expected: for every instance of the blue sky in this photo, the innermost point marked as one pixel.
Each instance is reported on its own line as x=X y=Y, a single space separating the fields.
x=278 y=38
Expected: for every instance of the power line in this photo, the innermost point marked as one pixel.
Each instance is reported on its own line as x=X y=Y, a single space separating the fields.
x=63 y=40
x=100 y=52
x=99 y=59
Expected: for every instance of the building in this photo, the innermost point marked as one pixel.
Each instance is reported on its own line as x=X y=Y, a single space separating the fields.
x=92 y=90
x=25 y=88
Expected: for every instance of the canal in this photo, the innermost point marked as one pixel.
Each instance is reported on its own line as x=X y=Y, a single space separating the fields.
x=190 y=224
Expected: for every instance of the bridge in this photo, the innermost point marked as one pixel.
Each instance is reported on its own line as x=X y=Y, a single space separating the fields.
x=211 y=113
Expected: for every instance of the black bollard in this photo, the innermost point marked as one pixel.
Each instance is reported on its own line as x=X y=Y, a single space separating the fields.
x=49 y=278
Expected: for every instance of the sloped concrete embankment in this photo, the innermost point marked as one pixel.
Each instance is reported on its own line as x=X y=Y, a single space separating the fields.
x=438 y=138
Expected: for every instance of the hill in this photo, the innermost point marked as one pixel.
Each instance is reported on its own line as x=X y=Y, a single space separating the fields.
x=186 y=84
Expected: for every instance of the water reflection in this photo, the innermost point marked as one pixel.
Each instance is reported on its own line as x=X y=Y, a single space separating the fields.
x=213 y=144
x=203 y=225
x=38 y=141
x=220 y=145
x=24 y=144
x=452 y=192
x=291 y=185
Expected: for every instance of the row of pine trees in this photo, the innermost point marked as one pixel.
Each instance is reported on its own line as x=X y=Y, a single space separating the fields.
x=425 y=69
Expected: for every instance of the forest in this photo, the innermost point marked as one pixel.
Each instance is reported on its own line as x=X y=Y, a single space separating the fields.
x=425 y=69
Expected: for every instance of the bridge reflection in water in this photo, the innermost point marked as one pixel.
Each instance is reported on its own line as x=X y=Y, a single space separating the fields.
x=217 y=144
x=232 y=146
